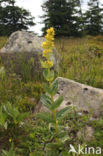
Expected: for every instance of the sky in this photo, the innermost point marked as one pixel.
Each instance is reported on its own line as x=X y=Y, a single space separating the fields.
x=34 y=6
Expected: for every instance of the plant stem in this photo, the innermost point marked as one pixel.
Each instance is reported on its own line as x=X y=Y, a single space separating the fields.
x=54 y=116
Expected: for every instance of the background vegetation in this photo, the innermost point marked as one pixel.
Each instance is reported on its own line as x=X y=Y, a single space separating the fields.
x=69 y=18
x=79 y=41
x=13 y=18
x=81 y=61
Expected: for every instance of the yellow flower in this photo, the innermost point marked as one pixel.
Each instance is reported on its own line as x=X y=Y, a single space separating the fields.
x=44 y=44
x=10 y=140
x=45 y=52
x=47 y=64
x=51 y=44
x=51 y=31
x=48 y=46
x=49 y=37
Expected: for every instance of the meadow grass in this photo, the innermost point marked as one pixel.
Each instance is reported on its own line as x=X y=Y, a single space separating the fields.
x=82 y=59
x=3 y=40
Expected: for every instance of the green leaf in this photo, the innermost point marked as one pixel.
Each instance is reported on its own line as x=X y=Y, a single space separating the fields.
x=62 y=134
x=36 y=154
x=14 y=113
x=57 y=103
x=51 y=90
x=46 y=117
x=54 y=87
x=10 y=110
x=48 y=75
x=47 y=88
x=53 y=146
x=3 y=117
x=65 y=153
x=64 y=139
x=45 y=65
x=21 y=117
x=62 y=113
x=11 y=152
x=46 y=101
x=5 y=125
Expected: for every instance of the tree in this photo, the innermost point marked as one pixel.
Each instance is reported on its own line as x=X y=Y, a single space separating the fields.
x=62 y=15
x=81 y=22
x=55 y=15
x=94 y=18
x=13 y=18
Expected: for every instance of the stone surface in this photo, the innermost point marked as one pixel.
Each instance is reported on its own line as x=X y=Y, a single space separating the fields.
x=26 y=42
x=86 y=133
x=85 y=98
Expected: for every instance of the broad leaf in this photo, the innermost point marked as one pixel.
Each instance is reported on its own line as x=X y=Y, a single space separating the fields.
x=54 y=87
x=57 y=103
x=46 y=117
x=46 y=101
x=62 y=134
x=51 y=90
x=22 y=116
x=64 y=139
x=3 y=117
x=62 y=113
x=47 y=89
x=48 y=75
x=54 y=146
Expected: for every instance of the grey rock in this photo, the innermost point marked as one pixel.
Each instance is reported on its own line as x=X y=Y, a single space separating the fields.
x=84 y=98
x=27 y=42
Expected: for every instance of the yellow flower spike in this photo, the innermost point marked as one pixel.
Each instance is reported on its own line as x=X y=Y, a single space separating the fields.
x=50 y=30
x=49 y=37
x=48 y=46
x=10 y=140
x=44 y=44
x=49 y=63
x=45 y=52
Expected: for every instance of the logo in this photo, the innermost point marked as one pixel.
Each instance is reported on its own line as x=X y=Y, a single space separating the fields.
x=85 y=150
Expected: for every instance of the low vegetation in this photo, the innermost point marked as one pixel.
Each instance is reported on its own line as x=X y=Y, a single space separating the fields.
x=82 y=59
x=22 y=133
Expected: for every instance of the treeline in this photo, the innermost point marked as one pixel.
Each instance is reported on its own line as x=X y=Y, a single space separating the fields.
x=13 y=18
x=69 y=19
x=66 y=16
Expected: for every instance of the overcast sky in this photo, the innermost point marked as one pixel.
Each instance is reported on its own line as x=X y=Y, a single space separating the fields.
x=34 y=6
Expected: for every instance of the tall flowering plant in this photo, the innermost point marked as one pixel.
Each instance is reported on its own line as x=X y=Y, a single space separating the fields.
x=53 y=117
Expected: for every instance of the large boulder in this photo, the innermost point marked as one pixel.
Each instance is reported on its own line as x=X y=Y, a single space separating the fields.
x=85 y=98
x=29 y=45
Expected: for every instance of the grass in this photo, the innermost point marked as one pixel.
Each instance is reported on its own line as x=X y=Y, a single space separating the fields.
x=82 y=61
x=3 y=40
